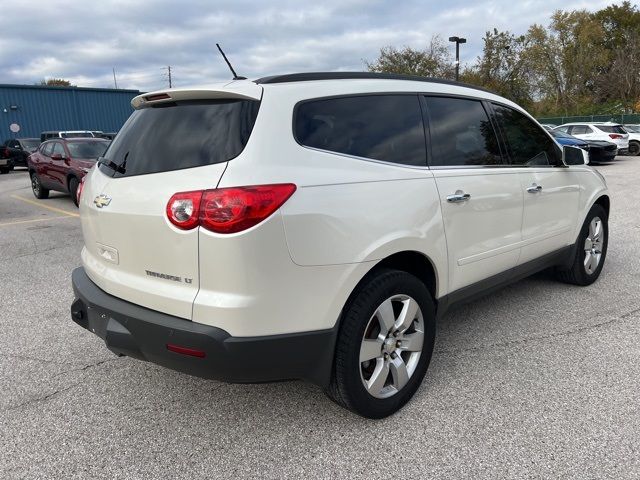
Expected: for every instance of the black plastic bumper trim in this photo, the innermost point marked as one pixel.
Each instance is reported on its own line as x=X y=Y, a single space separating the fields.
x=135 y=331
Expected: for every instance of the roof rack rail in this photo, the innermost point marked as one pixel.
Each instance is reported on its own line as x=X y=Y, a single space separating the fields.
x=311 y=76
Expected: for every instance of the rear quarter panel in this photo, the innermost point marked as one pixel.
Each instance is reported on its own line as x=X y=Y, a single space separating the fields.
x=345 y=210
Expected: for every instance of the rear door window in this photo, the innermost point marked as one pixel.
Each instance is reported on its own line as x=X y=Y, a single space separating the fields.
x=580 y=130
x=180 y=135
x=461 y=133
x=388 y=128
x=527 y=143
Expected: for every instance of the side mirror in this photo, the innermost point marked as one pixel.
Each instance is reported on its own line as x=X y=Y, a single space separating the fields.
x=574 y=156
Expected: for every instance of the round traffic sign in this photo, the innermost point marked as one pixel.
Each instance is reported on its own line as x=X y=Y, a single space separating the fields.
x=14 y=127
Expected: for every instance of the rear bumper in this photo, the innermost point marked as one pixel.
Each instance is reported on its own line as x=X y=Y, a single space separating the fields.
x=135 y=331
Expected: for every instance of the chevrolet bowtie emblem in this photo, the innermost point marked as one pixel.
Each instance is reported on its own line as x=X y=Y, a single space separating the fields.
x=102 y=200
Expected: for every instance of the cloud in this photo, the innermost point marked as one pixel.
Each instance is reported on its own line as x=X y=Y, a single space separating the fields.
x=83 y=41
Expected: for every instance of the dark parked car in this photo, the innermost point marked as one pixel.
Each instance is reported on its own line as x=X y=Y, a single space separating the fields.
x=599 y=150
x=60 y=164
x=18 y=149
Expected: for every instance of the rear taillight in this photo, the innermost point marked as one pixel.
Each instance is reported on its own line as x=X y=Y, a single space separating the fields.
x=79 y=190
x=615 y=135
x=183 y=209
x=227 y=210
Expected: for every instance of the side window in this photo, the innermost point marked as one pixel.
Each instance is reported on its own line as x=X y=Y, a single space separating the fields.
x=580 y=130
x=380 y=127
x=527 y=143
x=48 y=149
x=461 y=133
x=58 y=148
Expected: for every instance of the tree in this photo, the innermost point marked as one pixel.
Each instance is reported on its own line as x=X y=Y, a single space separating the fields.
x=620 y=80
x=501 y=67
x=56 y=82
x=565 y=59
x=434 y=61
x=619 y=24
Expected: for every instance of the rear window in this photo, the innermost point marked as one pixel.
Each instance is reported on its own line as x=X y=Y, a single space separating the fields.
x=181 y=135
x=380 y=127
x=612 y=129
x=87 y=150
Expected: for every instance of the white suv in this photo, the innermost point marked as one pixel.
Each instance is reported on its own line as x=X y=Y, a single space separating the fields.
x=312 y=226
x=608 y=132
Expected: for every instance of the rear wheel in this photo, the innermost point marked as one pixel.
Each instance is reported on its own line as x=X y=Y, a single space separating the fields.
x=5 y=170
x=591 y=250
x=634 y=148
x=38 y=190
x=384 y=345
x=73 y=190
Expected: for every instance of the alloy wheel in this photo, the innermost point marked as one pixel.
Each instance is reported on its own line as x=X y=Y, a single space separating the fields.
x=35 y=185
x=391 y=346
x=593 y=246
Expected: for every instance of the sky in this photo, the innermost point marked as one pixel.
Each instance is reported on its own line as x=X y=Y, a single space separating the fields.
x=83 y=41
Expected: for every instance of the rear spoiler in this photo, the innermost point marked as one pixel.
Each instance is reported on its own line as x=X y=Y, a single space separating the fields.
x=242 y=89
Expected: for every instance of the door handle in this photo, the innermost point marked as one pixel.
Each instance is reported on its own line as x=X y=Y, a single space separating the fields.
x=534 y=188
x=458 y=197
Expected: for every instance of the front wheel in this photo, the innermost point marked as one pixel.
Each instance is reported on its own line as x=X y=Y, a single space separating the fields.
x=634 y=148
x=38 y=190
x=591 y=250
x=384 y=345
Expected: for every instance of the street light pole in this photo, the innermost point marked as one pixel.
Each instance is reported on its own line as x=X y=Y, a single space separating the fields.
x=458 y=41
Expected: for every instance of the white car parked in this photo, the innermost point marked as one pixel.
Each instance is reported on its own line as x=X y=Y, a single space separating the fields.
x=609 y=132
x=634 y=138
x=312 y=226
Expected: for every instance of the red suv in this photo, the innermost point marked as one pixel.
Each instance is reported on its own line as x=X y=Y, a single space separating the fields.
x=60 y=164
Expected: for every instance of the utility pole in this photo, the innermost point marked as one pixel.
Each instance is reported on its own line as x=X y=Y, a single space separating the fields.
x=115 y=82
x=458 y=41
x=169 y=72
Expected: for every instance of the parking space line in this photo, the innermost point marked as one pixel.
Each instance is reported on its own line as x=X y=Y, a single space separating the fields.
x=48 y=207
x=32 y=220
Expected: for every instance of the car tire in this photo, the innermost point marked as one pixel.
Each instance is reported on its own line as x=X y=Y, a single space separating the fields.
x=36 y=187
x=634 y=148
x=73 y=190
x=380 y=385
x=5 y=170
x=590 y=251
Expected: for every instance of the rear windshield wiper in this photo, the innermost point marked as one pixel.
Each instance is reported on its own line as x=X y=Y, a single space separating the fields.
x=112 y=165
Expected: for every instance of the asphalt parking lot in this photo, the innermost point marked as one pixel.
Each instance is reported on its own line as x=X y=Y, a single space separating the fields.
x=541 y=380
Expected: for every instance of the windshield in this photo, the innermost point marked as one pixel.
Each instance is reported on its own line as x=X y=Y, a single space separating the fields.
x=559 y=134
x=30 y=144
x=88 y=150
x=180 y=135
x=612 y=129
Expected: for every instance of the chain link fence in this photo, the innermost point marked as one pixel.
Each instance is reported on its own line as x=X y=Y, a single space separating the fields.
x=622 y=118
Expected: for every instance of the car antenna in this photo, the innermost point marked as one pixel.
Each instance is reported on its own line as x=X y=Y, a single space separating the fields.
x=235 y=75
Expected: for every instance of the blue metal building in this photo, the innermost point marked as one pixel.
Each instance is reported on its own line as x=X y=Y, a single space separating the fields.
x=36 y=108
